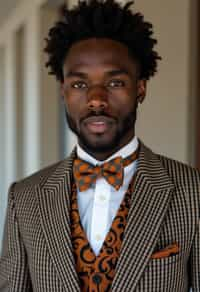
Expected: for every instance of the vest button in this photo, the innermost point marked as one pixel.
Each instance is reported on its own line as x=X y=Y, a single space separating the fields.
x=97 y=279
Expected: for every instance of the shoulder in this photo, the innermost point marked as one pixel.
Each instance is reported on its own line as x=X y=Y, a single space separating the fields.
x=26 y=188
x=176 y=170
x=186 y=181
x=37 y=178
x=185 y=178
x=179 y=171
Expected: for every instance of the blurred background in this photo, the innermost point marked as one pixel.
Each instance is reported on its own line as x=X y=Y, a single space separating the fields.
x=33 y=131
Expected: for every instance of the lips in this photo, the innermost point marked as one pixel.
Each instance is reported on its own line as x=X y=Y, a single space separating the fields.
x=98 y=124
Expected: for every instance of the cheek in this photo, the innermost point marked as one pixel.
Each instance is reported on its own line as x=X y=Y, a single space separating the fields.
x=123 y=101
x=70 y=106
x=71 y=99
x=74 y=98
x=74 y=108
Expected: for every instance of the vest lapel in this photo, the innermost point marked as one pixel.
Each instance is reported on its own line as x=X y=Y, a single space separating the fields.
x=54 y=205
x=150 y=200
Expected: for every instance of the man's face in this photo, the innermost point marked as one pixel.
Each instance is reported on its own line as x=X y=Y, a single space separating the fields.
x=101 y=92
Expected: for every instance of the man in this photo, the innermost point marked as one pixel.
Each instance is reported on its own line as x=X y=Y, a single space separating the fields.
x=114 y=216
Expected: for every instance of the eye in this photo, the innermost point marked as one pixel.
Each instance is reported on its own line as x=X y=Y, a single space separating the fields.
x=116 y=83
x=79 y=85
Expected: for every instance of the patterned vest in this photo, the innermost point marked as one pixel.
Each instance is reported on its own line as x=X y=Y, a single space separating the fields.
x=96 y=273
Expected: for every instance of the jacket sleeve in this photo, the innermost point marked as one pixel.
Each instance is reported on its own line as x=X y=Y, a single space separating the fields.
x=14 y=272
x=194 y=267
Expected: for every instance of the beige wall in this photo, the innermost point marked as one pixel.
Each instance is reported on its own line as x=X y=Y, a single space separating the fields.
x=2 y=109
x=49 y=107
x=165 y=115
x=20 y=74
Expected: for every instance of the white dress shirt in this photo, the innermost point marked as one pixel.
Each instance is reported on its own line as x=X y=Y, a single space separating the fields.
x=99 y=204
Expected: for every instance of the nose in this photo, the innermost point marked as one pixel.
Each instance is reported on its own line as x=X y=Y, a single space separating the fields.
x=97 y=98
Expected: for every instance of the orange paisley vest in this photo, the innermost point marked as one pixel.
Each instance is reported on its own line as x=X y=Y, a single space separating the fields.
x=96 y=273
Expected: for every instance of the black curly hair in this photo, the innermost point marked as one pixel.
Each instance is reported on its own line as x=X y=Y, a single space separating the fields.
x=102 y=19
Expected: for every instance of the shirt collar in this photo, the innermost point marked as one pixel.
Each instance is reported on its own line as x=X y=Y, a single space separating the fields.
x=123 y=152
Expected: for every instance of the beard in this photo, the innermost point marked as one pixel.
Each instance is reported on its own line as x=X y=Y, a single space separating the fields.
x=124 y=126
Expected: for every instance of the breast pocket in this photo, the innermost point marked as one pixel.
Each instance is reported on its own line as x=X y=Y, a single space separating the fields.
x=165 y=274
x=165 y=261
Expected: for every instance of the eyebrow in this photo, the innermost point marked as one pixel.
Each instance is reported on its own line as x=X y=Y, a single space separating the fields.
x=110 y=73
x=118 y=72
x=76 y=74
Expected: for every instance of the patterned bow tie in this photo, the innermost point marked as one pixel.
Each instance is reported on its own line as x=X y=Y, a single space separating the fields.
x=86 y=174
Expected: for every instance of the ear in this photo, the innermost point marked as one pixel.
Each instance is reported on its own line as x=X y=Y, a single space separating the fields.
x=141 y=90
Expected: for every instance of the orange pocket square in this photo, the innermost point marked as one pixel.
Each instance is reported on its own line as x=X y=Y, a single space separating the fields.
x=166 y=252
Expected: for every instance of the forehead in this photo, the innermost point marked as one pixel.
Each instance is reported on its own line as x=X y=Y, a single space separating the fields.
x=95 y=52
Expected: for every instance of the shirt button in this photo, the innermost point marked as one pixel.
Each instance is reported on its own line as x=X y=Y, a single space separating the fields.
x=102 y=198
x=98 y=237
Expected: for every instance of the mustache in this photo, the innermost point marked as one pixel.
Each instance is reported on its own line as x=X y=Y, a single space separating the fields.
x=98 y=113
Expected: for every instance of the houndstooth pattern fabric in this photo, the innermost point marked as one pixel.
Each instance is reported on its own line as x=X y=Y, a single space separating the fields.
x=165 y=208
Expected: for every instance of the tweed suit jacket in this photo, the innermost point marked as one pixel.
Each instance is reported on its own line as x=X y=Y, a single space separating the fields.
x=165 y=208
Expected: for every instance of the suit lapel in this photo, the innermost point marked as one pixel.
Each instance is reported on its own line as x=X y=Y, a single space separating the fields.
x=150 y=200
x=54 y=205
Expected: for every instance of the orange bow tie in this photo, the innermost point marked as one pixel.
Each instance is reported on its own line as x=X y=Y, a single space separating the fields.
x=86 y=174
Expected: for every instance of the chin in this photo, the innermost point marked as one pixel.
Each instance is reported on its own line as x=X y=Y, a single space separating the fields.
x=99 y=145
